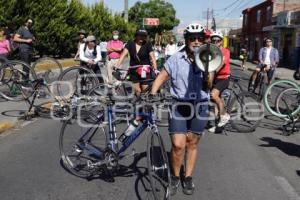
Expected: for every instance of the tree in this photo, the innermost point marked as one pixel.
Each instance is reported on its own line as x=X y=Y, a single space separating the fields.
x=154 y=9
x=57 y=22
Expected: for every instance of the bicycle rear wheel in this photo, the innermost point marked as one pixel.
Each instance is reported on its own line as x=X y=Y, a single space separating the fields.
x=246 y=112
x=274 y=87
x=3 y=61
x=81 y=143
x=17 y=81
x=76 y=81
x=47 y=68
x=158 y=166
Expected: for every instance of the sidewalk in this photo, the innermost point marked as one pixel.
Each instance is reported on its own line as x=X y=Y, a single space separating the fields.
x=280 y=73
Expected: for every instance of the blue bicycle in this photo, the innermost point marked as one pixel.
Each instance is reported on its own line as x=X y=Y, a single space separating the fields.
x=87 y=149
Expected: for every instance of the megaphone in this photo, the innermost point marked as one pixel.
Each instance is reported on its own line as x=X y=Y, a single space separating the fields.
x=215 y=57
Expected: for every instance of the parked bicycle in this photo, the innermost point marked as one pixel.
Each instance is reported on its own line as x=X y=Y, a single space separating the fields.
x=246 y=112
x=286 y=105
x=15 y=84
x=90 y=150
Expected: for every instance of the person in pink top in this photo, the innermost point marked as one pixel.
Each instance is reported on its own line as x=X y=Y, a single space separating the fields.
x=4 y=44
x=114 y=50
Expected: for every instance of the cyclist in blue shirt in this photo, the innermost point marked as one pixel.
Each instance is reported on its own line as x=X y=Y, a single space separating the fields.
x=189 y=110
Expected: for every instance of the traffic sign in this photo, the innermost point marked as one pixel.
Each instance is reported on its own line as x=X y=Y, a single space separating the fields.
x=151 y=21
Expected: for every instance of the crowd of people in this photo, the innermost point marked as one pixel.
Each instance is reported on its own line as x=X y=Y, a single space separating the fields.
x=180 y=68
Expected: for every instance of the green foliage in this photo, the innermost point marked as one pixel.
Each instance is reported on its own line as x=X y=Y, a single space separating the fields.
x=154 y=9
x=57 y=22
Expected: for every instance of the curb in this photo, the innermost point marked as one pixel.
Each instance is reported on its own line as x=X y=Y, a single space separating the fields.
x=5 y=126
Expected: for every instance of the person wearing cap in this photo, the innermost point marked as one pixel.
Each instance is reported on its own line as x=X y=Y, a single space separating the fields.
x=82 y=35
x=90 y=55
x=189 y=108
x=25 y=38
x=114 y=49
x=142 y=61
x=220 y=83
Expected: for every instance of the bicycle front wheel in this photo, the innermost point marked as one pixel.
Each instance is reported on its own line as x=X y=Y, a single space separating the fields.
x=246 y=112
x=287 y=101
x=158 y=166
x=274 y=87
x=81 y=143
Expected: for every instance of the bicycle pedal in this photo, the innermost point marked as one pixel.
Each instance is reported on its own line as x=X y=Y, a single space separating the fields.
x=132 y=154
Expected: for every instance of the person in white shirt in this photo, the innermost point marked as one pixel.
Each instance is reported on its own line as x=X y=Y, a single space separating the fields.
x=171 y=48
x=268 y=61
x=82 y=35
x=90 y=55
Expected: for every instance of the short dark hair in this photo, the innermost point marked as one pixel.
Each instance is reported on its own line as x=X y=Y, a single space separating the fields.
x=267 y=38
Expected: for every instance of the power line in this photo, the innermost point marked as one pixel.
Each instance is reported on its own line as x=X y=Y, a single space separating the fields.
x=223 y=9
x=239 y=6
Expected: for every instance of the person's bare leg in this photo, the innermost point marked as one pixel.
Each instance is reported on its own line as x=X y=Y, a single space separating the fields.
x=137 y=89
x=144 y=87
x=254 y=75
x=215 y=94
x=192 y=151
x=177 y=152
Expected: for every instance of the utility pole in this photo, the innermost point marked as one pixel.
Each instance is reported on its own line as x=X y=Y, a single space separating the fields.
x=213 y=25
x=207 y=16
x=126 y=10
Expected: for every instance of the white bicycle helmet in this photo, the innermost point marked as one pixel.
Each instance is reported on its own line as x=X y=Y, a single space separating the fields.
x=217 y=34
x=192 y=29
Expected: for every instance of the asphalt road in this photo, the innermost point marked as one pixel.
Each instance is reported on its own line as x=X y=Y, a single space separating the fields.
x=254 y=166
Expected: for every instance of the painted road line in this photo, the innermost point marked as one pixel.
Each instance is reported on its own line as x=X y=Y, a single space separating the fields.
x=286 y=186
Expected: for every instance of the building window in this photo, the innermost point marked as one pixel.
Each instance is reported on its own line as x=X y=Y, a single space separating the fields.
x=258 y=15
x=269 y=13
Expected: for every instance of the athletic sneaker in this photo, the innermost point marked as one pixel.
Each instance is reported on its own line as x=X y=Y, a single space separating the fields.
x=216 y=129
x=212 y=129
x=188 y=185
x=224 y=119
x=175 y=181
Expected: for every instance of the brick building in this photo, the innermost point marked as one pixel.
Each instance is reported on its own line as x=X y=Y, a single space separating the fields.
x=254 y=20
x=278 y=19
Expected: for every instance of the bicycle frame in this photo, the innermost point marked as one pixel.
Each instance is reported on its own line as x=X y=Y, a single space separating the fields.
x=149 y=121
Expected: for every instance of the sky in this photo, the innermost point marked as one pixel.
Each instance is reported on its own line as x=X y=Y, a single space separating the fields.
x=192 y=10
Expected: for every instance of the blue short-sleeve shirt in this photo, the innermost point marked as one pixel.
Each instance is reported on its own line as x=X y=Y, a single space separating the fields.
x=186 y=79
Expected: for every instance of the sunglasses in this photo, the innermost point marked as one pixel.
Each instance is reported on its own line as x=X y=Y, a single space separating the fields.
x=194 y=38
x=216 y=40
